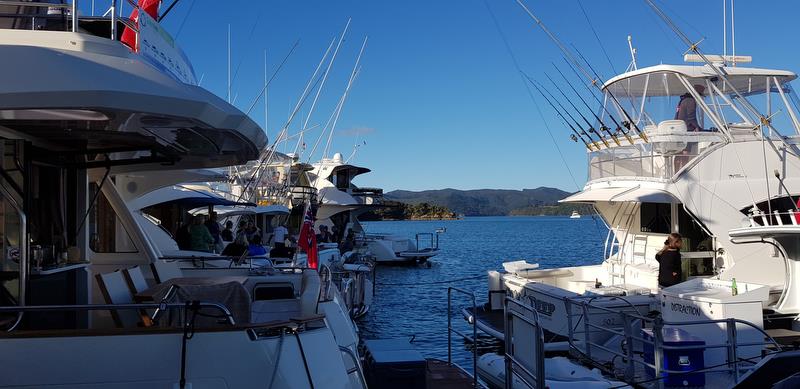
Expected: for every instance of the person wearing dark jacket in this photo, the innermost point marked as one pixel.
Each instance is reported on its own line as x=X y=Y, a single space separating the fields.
x=687 y=110
x=669 y=261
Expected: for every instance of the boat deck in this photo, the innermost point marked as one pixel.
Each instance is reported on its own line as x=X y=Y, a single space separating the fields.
x=446 y=376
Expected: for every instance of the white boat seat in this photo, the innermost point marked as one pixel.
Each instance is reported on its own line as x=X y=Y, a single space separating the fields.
x=309 y=292
x=135 y=278
x=115 y=290
x=165 y=270
x=546 y=273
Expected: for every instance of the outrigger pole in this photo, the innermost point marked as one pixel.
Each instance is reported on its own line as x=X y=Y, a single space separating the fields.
x=571 y=58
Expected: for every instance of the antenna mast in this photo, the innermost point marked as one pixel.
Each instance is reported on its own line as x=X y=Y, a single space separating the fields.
x=633 y=65
x=229 y=63
x=266 y=95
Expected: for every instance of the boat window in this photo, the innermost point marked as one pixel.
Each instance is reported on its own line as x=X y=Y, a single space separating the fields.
x=656 y=217
x=106 y=232
x=342 y=180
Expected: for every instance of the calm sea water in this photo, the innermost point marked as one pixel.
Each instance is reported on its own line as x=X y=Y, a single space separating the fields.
x=412 y=301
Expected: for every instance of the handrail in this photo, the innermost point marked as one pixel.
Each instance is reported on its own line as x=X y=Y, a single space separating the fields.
x=138 y=306
x=74 y=17
x=628 y=318
x=511 y=361
x=357 y=368
x=451 y=330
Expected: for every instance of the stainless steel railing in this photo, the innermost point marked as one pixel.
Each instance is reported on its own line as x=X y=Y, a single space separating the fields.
x=582 y=341
x=73 y=17
x=356 y=365
x=451 y=331
x=157 y=307
x=532 y=378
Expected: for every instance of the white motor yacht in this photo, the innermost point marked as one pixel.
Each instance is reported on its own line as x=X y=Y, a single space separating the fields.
x=94 y=108
x=341 y=203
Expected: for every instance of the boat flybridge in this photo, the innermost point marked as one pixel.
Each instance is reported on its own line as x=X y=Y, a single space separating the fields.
x=703 y=184
x=342 y=202
x=99 y=103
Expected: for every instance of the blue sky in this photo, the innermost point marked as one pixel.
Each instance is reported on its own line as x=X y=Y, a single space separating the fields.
x=438 y=100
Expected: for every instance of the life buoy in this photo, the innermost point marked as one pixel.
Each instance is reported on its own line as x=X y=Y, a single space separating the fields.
x=128 y=35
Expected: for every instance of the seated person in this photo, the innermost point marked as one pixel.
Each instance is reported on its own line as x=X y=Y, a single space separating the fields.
x=324 y=235
x=255 y=248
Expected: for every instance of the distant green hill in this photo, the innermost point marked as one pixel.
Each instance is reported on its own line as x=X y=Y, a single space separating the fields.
x=492 y=202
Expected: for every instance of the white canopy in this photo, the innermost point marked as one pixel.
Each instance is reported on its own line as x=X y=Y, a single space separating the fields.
x=617 y=194
x=661 y=80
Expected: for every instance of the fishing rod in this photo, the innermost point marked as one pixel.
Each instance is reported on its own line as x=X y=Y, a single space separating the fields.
x=629 y=120
x=603 y=126
x=568 y=55
x=574 y=138
x=618 y=129
x=591 y=128
x=565 y=110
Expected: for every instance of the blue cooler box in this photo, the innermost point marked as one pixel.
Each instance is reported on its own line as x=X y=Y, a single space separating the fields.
x=685 y=359
x=394 y=363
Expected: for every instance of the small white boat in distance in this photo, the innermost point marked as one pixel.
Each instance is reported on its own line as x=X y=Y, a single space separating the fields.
x=575 y=215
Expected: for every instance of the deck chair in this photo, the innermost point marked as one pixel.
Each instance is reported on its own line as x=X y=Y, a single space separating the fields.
x=135 y=279
x=163 y=270
x=115 y=291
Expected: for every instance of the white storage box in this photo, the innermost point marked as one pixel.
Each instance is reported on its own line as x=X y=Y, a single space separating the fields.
x=707 y=299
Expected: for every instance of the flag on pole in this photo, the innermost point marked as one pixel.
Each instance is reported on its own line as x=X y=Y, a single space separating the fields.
x=308 y=240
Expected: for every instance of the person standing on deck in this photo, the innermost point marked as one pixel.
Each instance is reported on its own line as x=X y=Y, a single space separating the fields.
x=214 y=230
x=200 y=238
x=669 y=261
x=687 y=109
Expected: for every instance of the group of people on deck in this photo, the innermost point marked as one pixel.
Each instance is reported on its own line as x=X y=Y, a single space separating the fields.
x=346 y=242
x=206 y=235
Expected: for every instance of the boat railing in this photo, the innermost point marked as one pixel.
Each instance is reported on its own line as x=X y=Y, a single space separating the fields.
x=624 y=323
x=665 y=155
x=69 y=11
x=432 y=240
x=158 y=309
x=451 y=330
x=776 y=218
x=532 y=372
x=356 y=369
x=303 y=194
x=326 y=283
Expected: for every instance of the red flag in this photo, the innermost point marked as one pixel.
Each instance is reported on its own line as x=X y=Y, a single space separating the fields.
x=148 y=6
x=308 y=240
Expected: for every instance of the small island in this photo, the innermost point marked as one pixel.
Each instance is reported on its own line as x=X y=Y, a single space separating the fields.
x=395 y=210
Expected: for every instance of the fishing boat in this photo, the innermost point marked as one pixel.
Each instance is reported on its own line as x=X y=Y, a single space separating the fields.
x=124 y=99
x=575 y=215
x=727 y=323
